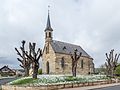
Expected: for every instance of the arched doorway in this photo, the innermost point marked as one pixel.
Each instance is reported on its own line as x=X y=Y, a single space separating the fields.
x=47 y=68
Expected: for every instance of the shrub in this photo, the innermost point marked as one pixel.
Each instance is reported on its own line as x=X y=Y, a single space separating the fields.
x=40 y=71
x=117 y=71
x=70 y=78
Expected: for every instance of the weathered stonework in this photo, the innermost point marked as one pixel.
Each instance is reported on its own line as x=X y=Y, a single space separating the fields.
x=54 y=60
x=49 y=57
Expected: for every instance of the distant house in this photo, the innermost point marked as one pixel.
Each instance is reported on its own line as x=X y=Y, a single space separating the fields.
x=6 y=71
x=20 y=72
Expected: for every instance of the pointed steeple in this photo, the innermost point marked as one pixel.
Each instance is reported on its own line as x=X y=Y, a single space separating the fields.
x=48 y=30
x=48 y=26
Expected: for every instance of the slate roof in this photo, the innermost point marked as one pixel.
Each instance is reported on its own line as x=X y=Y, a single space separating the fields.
x=48 y=26
x=67 y=48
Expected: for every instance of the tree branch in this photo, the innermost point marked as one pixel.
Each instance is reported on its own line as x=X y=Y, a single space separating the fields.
x=21 y=66
x=18 y=53
x=20 y=60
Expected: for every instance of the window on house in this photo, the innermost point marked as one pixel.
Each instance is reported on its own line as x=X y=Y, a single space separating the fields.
x=47 y=68
x=82 y=63
x=62 y=62
x=64 y=47
x=47 y=49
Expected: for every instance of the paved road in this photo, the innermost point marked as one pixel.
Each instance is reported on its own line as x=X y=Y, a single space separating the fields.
x=113 y=86
x=6 y=80
x=109 y=88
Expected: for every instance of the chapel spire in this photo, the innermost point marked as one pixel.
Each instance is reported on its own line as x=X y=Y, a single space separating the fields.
x=48 y=29
x=48 y=26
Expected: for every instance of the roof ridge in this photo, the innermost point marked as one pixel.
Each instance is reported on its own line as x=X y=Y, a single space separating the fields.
x=59 y=45
x=67 y=43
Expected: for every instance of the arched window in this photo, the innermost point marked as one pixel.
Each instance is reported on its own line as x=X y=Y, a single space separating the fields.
x=47 y=68
x=82 y=63
x=49 y=34
x=47 y=49
x=62 y=62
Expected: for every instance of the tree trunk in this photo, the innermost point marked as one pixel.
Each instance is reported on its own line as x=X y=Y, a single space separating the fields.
x=35 y=73
x=26 y=72
x=75 y=57
x=35 y=69
x=74 y=70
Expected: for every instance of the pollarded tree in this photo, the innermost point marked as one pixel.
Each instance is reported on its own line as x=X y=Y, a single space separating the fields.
x=34 y=57
x=75 y=57
x=111 y=62
x=25 y=62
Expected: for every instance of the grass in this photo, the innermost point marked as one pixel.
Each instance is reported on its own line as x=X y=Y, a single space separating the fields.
x=24 y=81
x=71 y=78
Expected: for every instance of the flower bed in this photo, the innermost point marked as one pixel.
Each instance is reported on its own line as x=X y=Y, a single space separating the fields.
x=53 y=82
x=56 y=80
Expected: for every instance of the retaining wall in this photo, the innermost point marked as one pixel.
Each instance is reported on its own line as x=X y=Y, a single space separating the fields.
x=55 y=87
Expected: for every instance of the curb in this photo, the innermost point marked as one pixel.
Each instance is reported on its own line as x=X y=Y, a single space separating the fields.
x=92 y=87
x=103 y=86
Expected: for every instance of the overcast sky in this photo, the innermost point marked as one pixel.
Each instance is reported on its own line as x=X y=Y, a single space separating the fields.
x=92 y=24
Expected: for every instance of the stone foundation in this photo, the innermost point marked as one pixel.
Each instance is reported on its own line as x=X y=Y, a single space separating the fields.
x=55 y=87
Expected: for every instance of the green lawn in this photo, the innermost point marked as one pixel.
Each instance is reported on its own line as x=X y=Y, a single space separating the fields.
x=24 y=81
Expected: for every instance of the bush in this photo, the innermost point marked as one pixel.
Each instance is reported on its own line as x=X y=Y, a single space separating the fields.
x=117 y=71
x=70 y=78
x=40 y=71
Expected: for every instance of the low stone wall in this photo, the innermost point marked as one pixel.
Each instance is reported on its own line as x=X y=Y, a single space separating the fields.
x=55 y=87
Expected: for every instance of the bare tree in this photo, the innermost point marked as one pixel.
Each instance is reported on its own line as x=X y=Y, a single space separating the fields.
x=111 y=62
x=25 y=62
x=75 y=57
x=34 y=57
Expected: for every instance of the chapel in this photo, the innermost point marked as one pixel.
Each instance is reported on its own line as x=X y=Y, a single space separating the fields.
x=56 y=56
